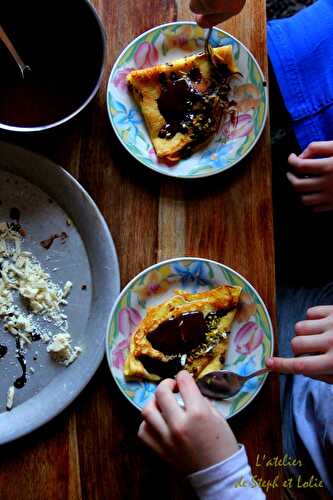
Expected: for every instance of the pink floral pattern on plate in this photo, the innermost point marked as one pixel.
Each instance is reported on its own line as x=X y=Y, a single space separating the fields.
x=251 y=337
x=248 y=338
x=120 y=79
x=146 y=55
x=128 y=320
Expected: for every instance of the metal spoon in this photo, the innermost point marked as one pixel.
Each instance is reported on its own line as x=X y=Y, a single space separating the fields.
x=208 y=48
x=23 y=67
x=224 y=384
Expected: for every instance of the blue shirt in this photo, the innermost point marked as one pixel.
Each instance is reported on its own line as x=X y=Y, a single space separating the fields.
x=301 y=52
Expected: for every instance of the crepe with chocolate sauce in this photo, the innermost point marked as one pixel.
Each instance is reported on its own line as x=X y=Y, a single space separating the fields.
x=183 y=102
x=189 y=331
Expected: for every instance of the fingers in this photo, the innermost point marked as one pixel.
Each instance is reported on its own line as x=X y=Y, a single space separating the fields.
x=203 y=6
x=313 y=200
x=210 y=20
x=311 y=327
x=322 y=148
x=189 y=390
x=148 y=436
x=212 y=12
x=167 y=403
x=325 y=207
x=319 y=312
x=310 y=343
x=216 y=7
x=318 y=200
x=301 y=185
x=308 y=365
x=310 y=166
x=317 y=188
x=154 y=419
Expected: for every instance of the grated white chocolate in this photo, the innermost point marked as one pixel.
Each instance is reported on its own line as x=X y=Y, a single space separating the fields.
x=23 y=276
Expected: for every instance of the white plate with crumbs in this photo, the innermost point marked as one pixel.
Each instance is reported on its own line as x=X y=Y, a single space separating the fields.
x=59 y=277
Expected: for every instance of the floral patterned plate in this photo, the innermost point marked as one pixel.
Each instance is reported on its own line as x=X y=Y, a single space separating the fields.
x=251 y=337
x=164 y=44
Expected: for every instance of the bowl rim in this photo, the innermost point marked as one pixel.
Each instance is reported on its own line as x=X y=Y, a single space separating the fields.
x=16 y=128
x=170 y=172
x=108 y=339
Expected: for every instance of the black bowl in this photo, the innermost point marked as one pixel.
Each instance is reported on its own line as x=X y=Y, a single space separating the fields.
x=63 y=41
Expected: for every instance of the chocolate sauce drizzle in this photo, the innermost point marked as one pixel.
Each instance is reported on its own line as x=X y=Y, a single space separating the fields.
x=177 y=336
x=189 y=111
x=3 y=350
x=15 y=214
x=20 y=381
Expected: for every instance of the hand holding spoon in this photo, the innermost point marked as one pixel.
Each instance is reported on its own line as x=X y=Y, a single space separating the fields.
x=23 y=67
x=224 y=384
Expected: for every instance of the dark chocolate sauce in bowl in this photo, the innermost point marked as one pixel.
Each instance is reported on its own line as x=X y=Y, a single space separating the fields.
x=63 y=43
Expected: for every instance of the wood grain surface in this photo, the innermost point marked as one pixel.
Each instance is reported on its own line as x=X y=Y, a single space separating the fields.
x=91 y=451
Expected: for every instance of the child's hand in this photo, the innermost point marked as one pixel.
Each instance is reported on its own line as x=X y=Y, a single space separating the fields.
x=313 y=175
x=190 y=438
x=314 y=335
x=211 y=12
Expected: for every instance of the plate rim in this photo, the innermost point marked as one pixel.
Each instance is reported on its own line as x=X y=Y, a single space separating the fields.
x=108 y=338
x=7 y=435
x=169 y=173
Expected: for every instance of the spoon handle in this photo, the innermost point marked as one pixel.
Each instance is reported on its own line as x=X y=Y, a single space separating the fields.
x=11 y=48
x=257 y=373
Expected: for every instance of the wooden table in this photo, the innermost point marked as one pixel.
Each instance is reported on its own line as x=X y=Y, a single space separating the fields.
x=91 y=451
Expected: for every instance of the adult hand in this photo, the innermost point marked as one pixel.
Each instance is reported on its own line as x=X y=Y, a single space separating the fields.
x=313 y=335
x=312 y=175
x=211 y=12
x=190 y=438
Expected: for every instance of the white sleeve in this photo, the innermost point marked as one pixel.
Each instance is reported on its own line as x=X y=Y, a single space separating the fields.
x=227 y=480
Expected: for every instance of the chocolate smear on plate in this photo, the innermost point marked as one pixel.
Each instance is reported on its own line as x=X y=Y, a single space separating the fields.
x=49 y=241
x=3 y=350
x=15 y=214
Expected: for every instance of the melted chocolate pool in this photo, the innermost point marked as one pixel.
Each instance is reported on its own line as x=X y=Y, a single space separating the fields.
x=186 y=110
x=62 y=43
x=178 y=103
x=179 y=335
